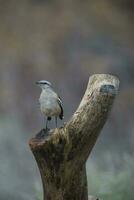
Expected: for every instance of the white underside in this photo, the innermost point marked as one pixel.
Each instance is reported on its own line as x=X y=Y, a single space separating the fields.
x=49 y=103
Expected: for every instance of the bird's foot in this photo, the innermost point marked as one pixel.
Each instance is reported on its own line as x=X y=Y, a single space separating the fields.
x=44 y=132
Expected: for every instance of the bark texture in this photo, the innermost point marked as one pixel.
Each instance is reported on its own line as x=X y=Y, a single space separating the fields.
x=61 y=154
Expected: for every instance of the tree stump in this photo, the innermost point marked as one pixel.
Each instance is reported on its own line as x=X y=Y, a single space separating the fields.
x=61 y=154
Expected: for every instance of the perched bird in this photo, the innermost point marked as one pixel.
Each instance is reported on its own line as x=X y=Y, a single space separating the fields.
x=50 y=102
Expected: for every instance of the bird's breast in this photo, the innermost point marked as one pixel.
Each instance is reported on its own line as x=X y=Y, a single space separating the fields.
x=49 y=106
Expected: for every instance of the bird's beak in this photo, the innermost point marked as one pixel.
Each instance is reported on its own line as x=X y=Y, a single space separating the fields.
x=37 y=82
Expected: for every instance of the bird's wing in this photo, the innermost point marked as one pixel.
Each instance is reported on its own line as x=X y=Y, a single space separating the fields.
x=60 y=104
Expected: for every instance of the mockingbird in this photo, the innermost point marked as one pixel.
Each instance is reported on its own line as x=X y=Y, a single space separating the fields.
x=50 y=102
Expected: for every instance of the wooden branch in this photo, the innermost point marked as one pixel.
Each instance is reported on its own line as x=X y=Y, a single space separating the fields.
x=61 y=155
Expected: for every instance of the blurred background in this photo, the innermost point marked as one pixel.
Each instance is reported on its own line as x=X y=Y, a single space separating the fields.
x=65 y=41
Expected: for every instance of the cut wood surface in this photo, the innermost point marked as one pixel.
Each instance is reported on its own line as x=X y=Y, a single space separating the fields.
x=61 y=154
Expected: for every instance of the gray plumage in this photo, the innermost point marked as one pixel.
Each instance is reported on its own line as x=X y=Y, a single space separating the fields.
x=50 y=103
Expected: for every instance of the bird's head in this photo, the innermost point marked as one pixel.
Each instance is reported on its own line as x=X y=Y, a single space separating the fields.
x=43 y=84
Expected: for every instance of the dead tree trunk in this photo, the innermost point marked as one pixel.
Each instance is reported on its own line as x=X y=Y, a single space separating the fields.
x=61 y=155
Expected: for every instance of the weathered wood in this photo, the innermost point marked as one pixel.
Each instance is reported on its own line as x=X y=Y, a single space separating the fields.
x=61 y=154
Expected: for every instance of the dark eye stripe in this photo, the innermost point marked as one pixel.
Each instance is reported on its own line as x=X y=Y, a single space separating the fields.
x=42 y=83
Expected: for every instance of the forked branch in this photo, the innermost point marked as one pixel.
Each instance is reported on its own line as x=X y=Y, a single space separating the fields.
x=61 y=155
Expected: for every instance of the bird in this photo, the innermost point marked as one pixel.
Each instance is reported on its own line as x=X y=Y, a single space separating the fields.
x=49 y=101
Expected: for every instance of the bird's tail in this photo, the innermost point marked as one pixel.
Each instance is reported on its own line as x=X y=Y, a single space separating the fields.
x=61 y=116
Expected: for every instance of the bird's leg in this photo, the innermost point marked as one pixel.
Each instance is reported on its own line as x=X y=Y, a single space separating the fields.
x=56 y=121
x=46 y=123
x=48 y=119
